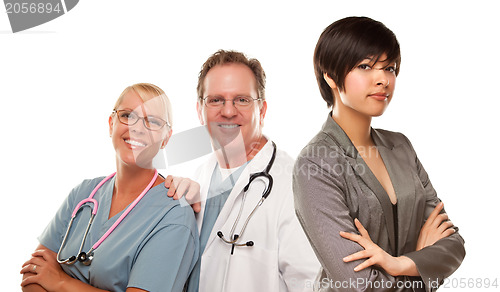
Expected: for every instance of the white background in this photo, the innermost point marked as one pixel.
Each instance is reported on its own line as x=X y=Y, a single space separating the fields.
x=59 y=82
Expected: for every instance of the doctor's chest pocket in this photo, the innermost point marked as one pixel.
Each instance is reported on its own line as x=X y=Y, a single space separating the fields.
x=261 y=263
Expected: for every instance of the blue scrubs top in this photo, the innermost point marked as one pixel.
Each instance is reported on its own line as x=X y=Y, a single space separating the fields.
x=154 y=248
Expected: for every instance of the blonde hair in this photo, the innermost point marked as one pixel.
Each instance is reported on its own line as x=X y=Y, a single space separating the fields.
x=148 y=91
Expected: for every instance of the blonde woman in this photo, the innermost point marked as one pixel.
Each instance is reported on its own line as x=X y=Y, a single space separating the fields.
x=139 y=239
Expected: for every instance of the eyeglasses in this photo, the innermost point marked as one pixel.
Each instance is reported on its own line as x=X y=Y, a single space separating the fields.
x=240 y=102
x=130 y=118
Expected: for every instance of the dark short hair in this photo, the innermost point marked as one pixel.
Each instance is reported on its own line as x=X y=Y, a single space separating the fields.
x=347 y=42
x=222 y=57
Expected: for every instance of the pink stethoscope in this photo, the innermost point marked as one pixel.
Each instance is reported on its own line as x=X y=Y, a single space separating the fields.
x=87 y=257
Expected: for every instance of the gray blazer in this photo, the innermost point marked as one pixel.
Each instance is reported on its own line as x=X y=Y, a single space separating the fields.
x=333 y=185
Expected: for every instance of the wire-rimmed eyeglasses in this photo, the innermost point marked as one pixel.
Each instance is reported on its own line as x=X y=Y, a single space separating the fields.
x=240 y=102
x=130 y=118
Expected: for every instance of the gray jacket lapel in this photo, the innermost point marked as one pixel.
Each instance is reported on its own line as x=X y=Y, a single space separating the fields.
x=397 y=164
x=363 y=171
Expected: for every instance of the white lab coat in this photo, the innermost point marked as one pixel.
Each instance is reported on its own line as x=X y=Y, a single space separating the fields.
x=281 y=258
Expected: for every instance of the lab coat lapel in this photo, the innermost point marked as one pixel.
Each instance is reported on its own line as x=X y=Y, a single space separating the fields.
x=257 y=164
x=222 y=219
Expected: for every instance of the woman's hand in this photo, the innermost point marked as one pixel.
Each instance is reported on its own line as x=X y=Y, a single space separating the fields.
x=44 y=270
x=376 y=256
x=179 y=187
x=436 y=227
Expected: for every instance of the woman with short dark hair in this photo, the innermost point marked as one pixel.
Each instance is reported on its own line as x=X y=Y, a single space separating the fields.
x=361 y=194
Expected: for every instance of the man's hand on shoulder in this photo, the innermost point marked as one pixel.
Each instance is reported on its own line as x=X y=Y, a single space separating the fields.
x=179 y=187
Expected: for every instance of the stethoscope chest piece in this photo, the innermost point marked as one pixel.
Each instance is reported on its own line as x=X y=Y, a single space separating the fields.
x=86 y=258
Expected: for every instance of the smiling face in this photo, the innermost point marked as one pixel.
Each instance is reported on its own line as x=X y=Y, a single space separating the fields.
x=368 y=88
x=229 y=126
x=136 y=145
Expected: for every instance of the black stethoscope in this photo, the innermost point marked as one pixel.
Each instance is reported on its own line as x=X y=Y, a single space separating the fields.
x=265 y=194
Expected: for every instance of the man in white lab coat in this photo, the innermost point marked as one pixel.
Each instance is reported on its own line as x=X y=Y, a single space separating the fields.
x=245 y=246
